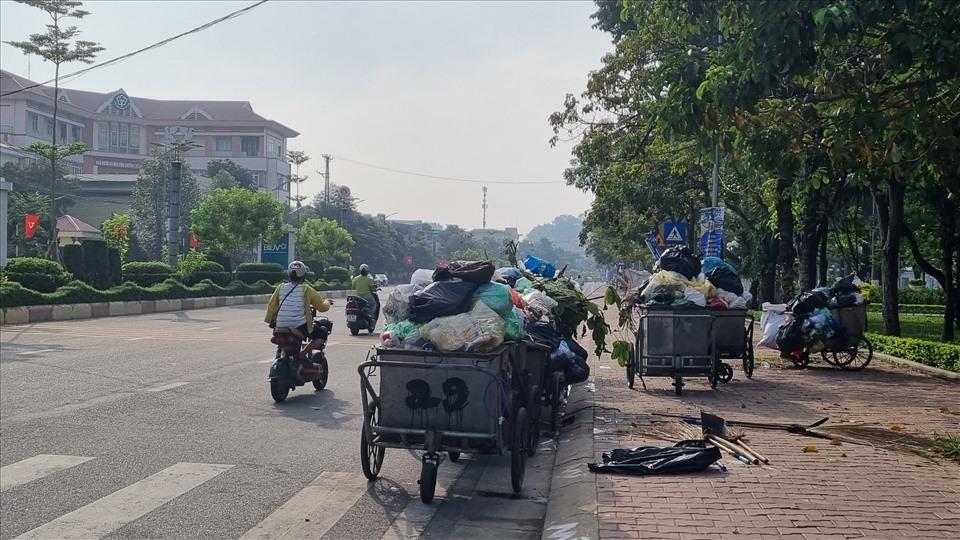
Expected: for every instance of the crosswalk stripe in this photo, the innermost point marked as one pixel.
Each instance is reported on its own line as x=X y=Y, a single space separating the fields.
x=105 y=515
x=314 y=510
x=35 y=468
x=413 y=520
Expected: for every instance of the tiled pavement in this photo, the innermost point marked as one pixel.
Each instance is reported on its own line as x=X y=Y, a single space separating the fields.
x=846 y=491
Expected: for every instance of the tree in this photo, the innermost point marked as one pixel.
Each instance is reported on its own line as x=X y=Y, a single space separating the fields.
x=242 y=175
x=34 y=177
x=322 y=239
x=234 y=220
x=223 y=180
x=149 y=206
x=116 y=232
x=298 y=158
x=55 y=46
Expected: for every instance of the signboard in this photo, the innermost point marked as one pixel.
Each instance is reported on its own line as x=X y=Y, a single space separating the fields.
x=280 y=252
x=711 y=231
x=674 y=233
x=653 y=245
x=30 y=222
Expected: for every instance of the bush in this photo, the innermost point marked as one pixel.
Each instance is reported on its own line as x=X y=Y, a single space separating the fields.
x=220 y=257
x=146 y=273
x=73 y=260
x=36 y=274
x=921 y=295
x=260 y=267
x=96 y=265
x=116 y=263
x=219 y=278
x=932 y=353
x=336 y=273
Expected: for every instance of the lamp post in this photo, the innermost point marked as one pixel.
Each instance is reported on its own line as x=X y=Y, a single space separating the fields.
x=177 y=141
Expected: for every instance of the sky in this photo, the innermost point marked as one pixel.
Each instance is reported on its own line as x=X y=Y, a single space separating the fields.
x=459 y=89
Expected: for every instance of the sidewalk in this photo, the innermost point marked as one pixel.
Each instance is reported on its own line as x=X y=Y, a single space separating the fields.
x=847 y=491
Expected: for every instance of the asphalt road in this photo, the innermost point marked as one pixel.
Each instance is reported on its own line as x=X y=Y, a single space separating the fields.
x=162 y=426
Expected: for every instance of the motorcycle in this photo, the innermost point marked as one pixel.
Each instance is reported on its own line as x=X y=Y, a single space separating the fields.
x=288 y=371
x=359 y=316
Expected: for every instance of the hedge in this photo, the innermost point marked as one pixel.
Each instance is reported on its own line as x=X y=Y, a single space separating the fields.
x=73 y=259
x=322 y=285
x=96 y=264
x=932 y=353
x=36 y=273
x=33 y=265
x=220 y=278
x=911 y=309
x=336 y=273
x=146 y=273
x=260 y=267
x=915 y=295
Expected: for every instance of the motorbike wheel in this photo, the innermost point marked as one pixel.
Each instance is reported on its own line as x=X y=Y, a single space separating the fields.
x=354 y=331
x=320 y=360
x=279 y=390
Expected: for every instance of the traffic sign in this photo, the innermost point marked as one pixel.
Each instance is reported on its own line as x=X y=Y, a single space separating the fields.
x=674 y=233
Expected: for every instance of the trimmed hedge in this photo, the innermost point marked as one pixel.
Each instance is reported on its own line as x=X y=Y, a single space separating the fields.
x=36 y=273
x=914 y=295
x=336 y=273
x=73 y=260
x=96 y=264
x=932 y=353
x=146 y=273
x=260 y=267
x=322 y=285
x=116 y=266
x=911 y=309
x=253 y=272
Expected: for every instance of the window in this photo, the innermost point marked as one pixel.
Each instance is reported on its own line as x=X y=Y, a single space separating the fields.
x=118 y=137
x=103 y=136
x=73 y=167
x=62 y=132
x=259 y=179
x=34 y=120
x=271 y=147
x=224 y=144
x=250 y=146
x=48 y=128
x=76 y=133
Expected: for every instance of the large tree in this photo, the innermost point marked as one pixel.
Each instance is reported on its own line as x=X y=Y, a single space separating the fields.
x=242 y=175
x=323 y=240
x=58 y=46
x=234 y=220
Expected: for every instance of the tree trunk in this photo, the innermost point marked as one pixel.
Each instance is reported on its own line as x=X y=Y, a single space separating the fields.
x=890 y=206
x=786 y=254
x=53 y=252
x=810 y=241
x=948 y=231
x=824 y=234
x=768 y=280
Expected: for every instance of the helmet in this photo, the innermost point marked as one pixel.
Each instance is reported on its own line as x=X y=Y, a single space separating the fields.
x=364 y=268
x=297 y=268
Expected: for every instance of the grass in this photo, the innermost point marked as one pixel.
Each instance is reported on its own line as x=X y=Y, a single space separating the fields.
x=948 y=445
x=926 y=327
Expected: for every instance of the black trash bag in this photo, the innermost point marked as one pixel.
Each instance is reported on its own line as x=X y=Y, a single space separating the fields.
x=723 y=278
x=471 y=271
x=806 y=302
x=790 y=336
x=578 y=350
x=440 y=299
x=543 y=333
x=684 y=457
x=844 y=286
x=845 y=300
x=679 y=259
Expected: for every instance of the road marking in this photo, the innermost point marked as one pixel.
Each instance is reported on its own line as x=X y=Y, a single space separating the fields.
x=67 y=409
x=139 y=338
x=267 y=361
x=166 y=387
x=41 y=351
x=413 y=520
x=212 y=328
x=35 y=468
x=105 y=515
x=314 y=510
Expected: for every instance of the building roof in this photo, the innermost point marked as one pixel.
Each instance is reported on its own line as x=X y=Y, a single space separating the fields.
x=68 y=223
x=151 y=109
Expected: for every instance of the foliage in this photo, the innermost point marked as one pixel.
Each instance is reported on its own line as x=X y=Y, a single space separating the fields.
x=911 y=325
x=324 y=240
x=116 y=231
x=146 y=273
x=336 y=273
x=73 y=260
x=150 y=201
x=242 y=176
x=921 y=295
x=942 y=355
x=116 y=265
x=911 y=309
x=36 y=273
x=253 y=272
x=96 y=264
x=233 y=220
x=572 y=306
x=948 y=445
x=224 y=180
x=21 y=204
x=260 y=267
x=297 y=158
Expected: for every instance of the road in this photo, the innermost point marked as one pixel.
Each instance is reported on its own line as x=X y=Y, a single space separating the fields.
x=162 y=426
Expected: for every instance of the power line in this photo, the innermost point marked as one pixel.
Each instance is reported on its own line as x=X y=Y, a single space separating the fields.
x=112 y=61
x=450 y=178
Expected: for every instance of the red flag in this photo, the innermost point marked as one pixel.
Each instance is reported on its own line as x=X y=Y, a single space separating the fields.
x=194 y=241
x=409 y=260
x=30 y=222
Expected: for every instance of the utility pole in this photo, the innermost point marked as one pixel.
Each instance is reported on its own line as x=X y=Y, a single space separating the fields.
x=326 y=178
x=484 y=207
x=177 y=140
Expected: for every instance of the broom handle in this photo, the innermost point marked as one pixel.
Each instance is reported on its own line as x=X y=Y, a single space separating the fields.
x=755 y=454
x=723 y=443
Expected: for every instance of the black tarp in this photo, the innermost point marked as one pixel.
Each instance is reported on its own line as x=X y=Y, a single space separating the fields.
x=684 y=457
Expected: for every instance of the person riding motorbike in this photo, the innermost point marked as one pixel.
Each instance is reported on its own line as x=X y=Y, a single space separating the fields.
x=365 y=287
x=289 y=307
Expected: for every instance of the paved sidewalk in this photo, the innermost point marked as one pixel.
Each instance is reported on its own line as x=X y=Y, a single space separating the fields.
x=846 y=491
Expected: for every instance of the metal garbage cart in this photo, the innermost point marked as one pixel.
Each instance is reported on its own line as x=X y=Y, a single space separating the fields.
x=675 y=342
x=552 y=385
x=734 y=333
x=443 y=402
x=849 y=349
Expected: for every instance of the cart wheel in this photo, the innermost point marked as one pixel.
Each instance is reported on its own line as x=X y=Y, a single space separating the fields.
x=371 y=455
x=556 y=399
x=748 y=361
x=533 y=405
x=857 y=358
x=678 y=385
x=454 y=456
x=428 y=479
x=802 y=362
x=725 y=373
x=829 y=359
x=631 y=374
x=518 y=455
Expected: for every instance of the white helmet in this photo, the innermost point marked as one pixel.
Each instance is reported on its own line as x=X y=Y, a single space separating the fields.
x=364 y=268
x=297 y=268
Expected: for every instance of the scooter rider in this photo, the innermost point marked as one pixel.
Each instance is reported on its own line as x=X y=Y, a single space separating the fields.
x=365 y=287
x=289 y=307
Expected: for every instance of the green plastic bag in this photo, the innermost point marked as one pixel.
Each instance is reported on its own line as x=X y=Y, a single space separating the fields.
x=496 y=296
x=514 y=322
x=523 y=284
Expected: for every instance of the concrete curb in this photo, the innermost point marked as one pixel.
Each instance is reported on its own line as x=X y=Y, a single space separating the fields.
x=67 y=312
x=929 y=370
x=572 y=505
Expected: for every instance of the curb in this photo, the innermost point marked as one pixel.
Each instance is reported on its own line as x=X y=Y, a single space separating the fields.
x=572 y=503
x=929 y=370
x=67 y=312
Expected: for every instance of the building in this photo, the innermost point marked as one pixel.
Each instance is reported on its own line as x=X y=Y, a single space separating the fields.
x=121 y=129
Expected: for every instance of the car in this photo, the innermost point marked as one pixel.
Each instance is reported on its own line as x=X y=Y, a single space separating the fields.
x=380 y=280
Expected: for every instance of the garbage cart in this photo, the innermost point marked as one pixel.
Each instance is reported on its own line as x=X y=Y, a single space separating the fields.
x=849 y=349
x=437 y=402
x=734 y=333
x=675 y=342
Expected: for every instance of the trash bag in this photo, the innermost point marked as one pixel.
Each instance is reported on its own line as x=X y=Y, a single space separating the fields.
x=663 y=288
x=575 y=369
x=516 y=298
x=479 y=329
x=846 y=300
x=679 y=259
x=508 y=275
x=539 y=267
x=515 y=323
x=397 y=305
x=543 y=333
x=422 y=277
x=790 y=336
x=523 y=284
x=845 y=285
x=806 y=302
x=723 y=278
x=694 y=296
x=400 y=334
x=718 y=303
x=774 y=315
x=440 y=299
x=471 y=271
x=539 y=302
x=709 y=263
x=496 y=296
x=684 y=457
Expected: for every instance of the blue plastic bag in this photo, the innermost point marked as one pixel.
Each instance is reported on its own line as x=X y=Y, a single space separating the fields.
x=709 y=263
x=539 y=266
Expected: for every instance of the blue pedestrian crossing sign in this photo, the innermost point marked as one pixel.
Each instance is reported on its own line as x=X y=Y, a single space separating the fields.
x=674 y=233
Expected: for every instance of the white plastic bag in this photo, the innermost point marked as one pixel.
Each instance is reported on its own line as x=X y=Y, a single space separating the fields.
x=397 y=305
x=693 y=296
x=479 y=329
x=539 y=302
x=774 y=315
x=422 y=277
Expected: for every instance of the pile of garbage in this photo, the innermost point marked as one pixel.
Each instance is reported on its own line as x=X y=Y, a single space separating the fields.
x=680 y=278
x=471 y=306
x=806 y=322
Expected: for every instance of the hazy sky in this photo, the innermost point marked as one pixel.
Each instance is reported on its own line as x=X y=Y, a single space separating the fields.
x=458 y=89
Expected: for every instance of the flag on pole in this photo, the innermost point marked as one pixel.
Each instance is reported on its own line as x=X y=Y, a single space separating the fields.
x=30 y=222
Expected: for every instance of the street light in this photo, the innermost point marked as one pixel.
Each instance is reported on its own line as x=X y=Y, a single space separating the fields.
x=176 y=141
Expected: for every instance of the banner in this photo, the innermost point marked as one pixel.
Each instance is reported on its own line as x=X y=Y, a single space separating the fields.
x=30 y=222
x=653 y=245
x=711 y=231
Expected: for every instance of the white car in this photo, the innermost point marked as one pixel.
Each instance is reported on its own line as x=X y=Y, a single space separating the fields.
x=380 y=280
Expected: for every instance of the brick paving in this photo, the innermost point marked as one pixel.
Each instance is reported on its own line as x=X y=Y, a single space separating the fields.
x=845 y=491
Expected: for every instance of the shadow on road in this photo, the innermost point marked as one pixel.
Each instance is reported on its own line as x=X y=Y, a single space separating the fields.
x=323 y=409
